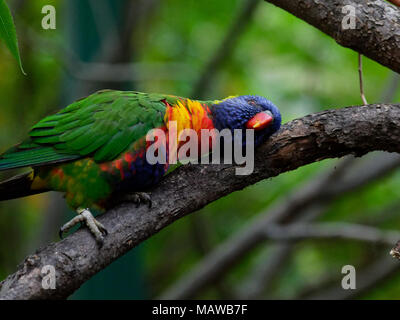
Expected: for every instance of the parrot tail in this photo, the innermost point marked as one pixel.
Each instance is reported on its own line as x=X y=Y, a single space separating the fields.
x=17 y=187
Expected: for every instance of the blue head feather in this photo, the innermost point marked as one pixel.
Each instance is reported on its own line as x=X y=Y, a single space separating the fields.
x=234 y=113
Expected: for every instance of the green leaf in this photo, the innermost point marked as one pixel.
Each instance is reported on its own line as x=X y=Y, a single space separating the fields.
x=8 y=33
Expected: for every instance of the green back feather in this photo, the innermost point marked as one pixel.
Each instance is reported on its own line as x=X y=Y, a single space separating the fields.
x=102 y=126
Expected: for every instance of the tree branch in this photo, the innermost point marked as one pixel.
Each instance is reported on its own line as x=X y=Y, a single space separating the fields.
x=331 y=230
x=377 y=31
x=328 y=134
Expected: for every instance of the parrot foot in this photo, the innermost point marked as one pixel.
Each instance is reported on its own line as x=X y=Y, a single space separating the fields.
x=138 y=198
x=95 y=227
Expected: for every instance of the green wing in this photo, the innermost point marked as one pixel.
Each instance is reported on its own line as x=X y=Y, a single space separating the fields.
x=102 y=126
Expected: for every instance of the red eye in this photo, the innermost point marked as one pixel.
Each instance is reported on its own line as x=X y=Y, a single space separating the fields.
x=260 y=121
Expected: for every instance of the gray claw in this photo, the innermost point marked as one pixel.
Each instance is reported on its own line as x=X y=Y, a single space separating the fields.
x=95 y=227
x=138 y=198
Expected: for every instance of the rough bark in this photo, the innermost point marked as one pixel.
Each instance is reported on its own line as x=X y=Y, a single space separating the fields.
x=328 y=134
x=377 y=31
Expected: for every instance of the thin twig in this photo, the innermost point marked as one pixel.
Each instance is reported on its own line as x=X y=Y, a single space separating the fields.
x=360 y=75
x=343 y=231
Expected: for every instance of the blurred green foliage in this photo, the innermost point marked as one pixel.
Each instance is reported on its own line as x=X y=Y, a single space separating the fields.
x=279 y=56
x=8 y=33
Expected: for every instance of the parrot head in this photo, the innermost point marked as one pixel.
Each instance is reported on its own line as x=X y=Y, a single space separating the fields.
x=247 y=112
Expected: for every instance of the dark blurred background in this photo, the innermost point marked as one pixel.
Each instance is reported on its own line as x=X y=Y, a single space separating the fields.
x=209 y=50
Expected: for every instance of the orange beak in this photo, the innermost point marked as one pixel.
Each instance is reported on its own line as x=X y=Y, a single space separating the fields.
x=259 y=121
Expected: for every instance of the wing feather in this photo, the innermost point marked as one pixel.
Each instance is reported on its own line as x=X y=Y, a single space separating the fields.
x=102 y=125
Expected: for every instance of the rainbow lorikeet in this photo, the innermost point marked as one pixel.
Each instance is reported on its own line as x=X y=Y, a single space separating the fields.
x=96 y=147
